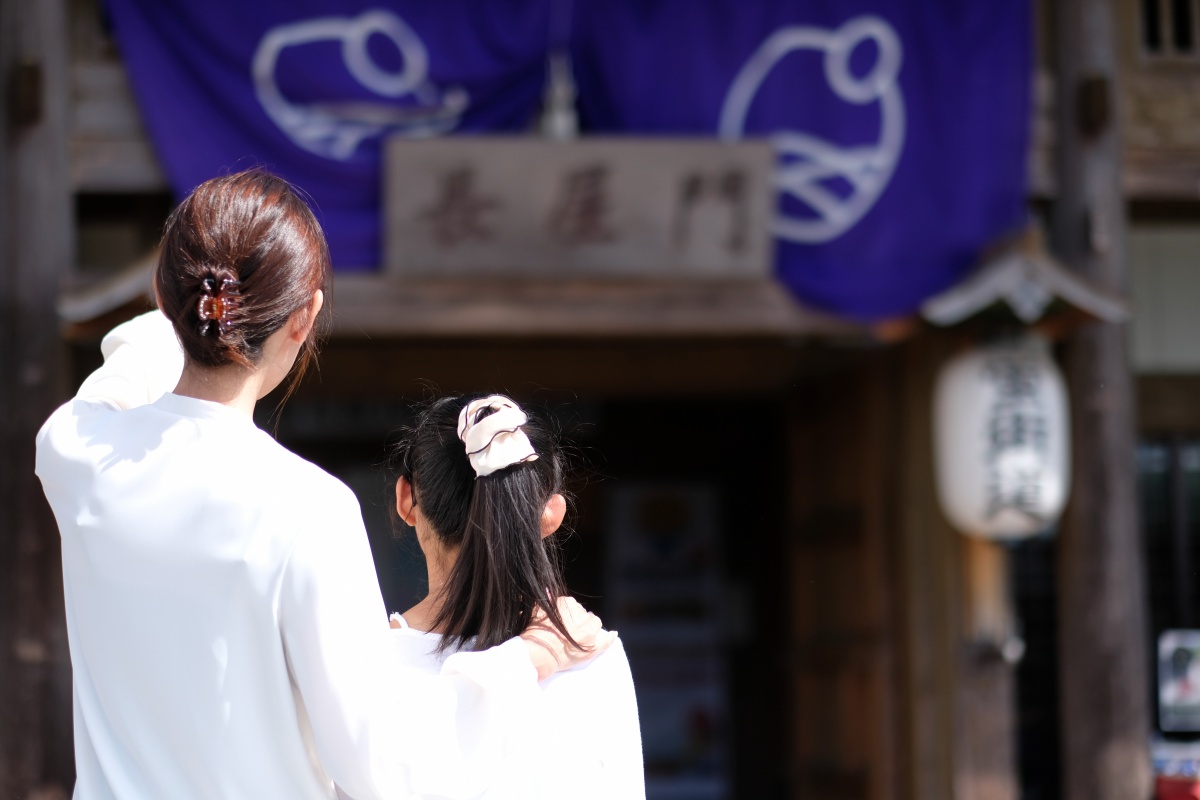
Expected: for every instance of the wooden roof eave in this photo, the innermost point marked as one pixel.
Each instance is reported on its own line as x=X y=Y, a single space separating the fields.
x=378 y=306
x=1022 y=274
x=368 y=305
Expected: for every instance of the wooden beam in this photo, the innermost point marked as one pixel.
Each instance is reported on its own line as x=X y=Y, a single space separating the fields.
x=110 y=151
x=370 y=305
x=1162 y=174
x=1159 y=165
x=1167 y=404
x=381 y=306
x=36 y=223
x=1103 y=638
x=374 y=371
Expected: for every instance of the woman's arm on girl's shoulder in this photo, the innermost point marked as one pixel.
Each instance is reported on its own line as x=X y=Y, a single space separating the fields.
x=550 y=653
x=622 y=750
x=598 y=745
x=142 y=362
x=329 y=609
x=384 y=728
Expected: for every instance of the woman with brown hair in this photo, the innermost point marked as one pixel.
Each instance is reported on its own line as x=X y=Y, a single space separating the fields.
x=227 y=634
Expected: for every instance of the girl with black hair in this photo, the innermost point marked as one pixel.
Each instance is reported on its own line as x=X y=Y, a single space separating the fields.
x=481 y=483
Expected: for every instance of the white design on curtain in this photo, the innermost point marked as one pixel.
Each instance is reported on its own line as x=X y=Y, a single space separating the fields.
x=336 y=129
x=806 y=160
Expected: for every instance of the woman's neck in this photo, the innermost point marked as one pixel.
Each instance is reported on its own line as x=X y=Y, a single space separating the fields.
x=230 y=386
x=241 y=387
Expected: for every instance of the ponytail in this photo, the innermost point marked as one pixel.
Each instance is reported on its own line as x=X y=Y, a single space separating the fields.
x=504 y=570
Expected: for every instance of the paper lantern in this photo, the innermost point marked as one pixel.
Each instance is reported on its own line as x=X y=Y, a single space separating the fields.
x=1002 y=439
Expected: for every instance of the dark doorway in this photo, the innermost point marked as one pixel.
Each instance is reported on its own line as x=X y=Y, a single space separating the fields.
x=729 y=457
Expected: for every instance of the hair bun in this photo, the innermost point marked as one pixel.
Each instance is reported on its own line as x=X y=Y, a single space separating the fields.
x=240 y=255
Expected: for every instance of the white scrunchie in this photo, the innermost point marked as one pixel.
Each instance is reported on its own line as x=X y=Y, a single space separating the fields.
x=496 y=441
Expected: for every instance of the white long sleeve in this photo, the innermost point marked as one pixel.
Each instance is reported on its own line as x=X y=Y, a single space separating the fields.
x=455 y=729
x=224 y=616
x=142 y=361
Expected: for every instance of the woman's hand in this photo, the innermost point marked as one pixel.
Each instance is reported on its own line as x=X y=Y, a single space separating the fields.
x=547 y=649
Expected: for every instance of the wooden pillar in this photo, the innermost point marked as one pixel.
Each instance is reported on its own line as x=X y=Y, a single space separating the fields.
x=844 y=618
x=1103 y=638
x=959 y=690
x=36 y=241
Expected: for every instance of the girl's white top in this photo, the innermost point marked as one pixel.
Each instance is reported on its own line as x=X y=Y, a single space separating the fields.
x=585 y=743
x=228 y=638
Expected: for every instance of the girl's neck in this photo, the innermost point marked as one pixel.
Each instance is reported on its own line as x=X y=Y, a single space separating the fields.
x=423 y=615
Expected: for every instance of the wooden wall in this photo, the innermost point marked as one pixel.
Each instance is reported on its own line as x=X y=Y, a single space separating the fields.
x=899 y=688
x=961 y=713
x=844 y=622
x=1165 y=284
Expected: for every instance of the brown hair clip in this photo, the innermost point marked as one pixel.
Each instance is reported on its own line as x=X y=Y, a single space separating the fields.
x=218 y=303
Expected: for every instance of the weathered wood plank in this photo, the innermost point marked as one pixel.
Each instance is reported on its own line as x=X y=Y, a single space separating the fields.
x=928 y=586
x=843 y=612
x=103 y=106
x=1161 y=152
x=36 y=223
x=613 y=367
x=1102 y=616
x=598 y=207
x=1162 y=174
x=1167 y=404
x=374 y=306
x=115 y=165
x=961 y=708
x=110 y=151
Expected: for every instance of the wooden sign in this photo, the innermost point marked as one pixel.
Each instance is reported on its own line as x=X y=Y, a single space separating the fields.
x=525 y=207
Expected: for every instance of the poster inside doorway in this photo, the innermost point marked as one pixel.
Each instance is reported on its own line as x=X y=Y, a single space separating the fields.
x=665 y=590
x=1179 y=681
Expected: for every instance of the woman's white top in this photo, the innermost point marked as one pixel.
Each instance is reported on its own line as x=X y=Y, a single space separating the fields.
x=586 y=743
x=227 y=634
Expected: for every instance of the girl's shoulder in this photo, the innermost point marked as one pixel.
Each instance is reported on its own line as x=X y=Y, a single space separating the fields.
x=418 y=649
x=610 y=668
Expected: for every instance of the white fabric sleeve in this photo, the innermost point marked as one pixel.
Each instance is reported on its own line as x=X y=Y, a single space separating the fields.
x=384 y=729
x=143 y=360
